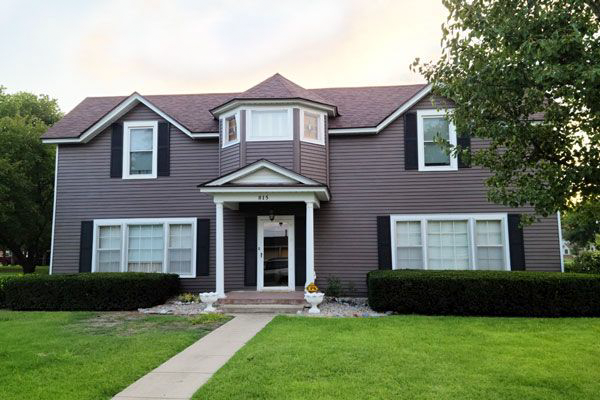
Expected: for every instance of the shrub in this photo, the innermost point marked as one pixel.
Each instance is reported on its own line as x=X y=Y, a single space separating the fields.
x=188 y=298
x=90 y=291
x=3 y=280
x=334 y=287
x=587 y=262
x=502 y=293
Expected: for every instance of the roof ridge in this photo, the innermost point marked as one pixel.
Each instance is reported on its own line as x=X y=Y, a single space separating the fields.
x=369 y=87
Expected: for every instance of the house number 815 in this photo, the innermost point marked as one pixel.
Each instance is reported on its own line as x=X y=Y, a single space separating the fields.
x=263 y=197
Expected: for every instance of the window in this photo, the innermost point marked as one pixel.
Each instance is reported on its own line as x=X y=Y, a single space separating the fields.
x=180 y=249
x=145 y=248
x=432 y=126
x=269 y=124
x=138 y=245
x=230 y=130
x=139 y=148
x=490 y=252
x=109 y=248
x=447 y=241
x=312 y=127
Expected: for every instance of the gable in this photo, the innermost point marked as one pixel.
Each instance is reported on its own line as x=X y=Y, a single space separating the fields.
x=264 y=176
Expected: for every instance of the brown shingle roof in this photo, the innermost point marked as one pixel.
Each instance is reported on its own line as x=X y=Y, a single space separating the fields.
x=358 y=107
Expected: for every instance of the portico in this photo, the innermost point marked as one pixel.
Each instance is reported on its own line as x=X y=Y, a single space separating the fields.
x=268 y=185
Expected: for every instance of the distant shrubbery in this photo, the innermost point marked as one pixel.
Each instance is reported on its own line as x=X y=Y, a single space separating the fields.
x=587 y=262
x=506 y=293
x=88 y=291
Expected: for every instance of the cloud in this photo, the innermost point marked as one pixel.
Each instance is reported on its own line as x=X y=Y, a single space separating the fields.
x=152 y=46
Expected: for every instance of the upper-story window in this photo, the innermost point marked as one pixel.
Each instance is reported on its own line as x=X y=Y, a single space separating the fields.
x=432 y=125
x=312 y=127
x=269 y=124
x=140 y=149
x=231 y=134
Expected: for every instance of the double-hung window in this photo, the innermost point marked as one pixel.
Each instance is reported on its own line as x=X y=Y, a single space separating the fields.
x=432 y=128
x=140 y=155
x=266 y=124
x=450 y=241
x=231 y=134
x=312 y=127
x=138 y=245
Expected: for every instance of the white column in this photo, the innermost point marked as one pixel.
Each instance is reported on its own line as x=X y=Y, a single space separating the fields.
x=220 y=252
x=310 y=244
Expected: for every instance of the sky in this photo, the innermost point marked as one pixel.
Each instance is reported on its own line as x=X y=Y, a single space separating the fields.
x=71 y=49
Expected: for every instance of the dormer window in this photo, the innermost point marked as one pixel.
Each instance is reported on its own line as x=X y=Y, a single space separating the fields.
x=140 y=154
x=312 y=127
x=269 y=124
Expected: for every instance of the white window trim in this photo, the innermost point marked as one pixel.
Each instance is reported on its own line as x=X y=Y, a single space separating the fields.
x=421 y=140
x=124 y=224
x=224 y=134
x=320 y=123
x=127 y=126
x=290 y=128
x=470 y=218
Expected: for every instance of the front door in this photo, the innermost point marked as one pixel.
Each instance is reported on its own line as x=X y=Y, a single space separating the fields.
x=275 y=253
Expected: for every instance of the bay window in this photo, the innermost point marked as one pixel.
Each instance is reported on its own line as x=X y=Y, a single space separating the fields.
x=450 y=241
x=433 y=127
x=269 y=124
x=140 y=143
x=138 y=245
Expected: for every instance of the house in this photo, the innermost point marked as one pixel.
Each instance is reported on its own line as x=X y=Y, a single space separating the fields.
x=275 y=186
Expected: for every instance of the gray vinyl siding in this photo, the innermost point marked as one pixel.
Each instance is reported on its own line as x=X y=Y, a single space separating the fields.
x=86 y=192
x=279 y=152
x=313 y=161
x=367 y=179
x=230 y=158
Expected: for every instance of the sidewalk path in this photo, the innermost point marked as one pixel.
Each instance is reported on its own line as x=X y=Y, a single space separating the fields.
x=181 y=376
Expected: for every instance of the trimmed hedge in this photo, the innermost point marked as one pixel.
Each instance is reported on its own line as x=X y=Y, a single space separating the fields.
x=3 y=280
x=492 y=293
x=90 y=291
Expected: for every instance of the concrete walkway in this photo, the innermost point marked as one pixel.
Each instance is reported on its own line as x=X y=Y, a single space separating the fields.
x=181 y=376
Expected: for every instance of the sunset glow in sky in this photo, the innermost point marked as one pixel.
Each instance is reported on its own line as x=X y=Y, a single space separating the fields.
x=73 y=49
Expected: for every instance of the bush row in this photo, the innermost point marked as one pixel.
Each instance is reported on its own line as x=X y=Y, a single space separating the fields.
x=499 y=293
x=588 y=262
x=89 y=291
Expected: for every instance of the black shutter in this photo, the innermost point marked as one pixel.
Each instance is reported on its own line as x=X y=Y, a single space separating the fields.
x=164 y=149
x=250 y=244
x=202 y=246
x=300 y=249
x=384 y=242
x=116 y=150
x=465 y=144
x=86 y=246
x=516 y=243
x=411 y=148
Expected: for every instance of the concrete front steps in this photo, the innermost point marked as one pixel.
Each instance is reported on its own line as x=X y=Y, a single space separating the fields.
x=241 y=302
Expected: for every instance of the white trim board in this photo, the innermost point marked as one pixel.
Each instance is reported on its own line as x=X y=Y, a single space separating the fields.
x=249 y=169
x=53 y=211
x=391 y=118
x=269 y=102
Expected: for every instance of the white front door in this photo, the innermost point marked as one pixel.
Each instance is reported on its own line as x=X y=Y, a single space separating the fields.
x=275 y=253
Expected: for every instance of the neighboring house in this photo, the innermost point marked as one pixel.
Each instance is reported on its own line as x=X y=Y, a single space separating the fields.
x=268 y=188
x=568 y=249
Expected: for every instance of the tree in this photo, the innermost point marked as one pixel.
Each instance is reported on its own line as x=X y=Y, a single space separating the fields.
x=505 y=62
x=26 y=176
x=582 y=226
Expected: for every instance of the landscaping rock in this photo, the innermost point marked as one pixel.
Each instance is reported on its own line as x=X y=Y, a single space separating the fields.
x=344 y=307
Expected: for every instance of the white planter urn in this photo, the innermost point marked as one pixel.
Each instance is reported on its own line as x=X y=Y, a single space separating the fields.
x=314 y=299
x=209 y=298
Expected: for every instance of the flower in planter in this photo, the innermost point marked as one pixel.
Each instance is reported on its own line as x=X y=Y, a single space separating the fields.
x=312 y=288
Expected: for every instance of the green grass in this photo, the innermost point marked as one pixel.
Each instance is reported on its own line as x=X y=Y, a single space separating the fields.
x=415 y=357
x=83 y=355
x=6 y=270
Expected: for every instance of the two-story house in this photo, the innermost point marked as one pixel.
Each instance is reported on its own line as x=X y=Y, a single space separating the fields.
x=273 y=187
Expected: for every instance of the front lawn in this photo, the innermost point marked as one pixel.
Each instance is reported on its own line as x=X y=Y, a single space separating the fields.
x=415 y=357
x=6 y=270
x=84 y=355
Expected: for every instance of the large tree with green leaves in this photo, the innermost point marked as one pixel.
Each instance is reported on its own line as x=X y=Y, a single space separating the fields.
x=506 y=61
x=26 y=175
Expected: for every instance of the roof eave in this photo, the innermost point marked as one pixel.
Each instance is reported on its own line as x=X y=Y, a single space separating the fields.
x=233 y=103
